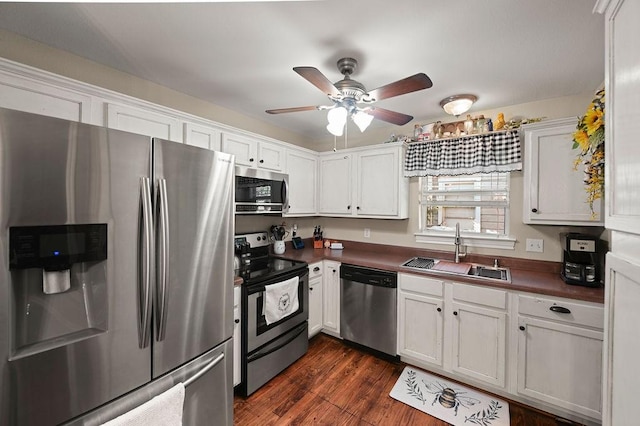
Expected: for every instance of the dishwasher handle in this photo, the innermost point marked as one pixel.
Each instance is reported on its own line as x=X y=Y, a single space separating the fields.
x=370 y=276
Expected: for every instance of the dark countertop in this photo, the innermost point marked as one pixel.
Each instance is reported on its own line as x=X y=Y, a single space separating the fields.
x=526 y=275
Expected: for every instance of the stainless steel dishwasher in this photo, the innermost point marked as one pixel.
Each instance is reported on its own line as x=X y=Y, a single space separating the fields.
x=368 y=307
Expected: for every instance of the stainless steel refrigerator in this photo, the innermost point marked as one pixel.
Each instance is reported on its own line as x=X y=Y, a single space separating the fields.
x=116 y=271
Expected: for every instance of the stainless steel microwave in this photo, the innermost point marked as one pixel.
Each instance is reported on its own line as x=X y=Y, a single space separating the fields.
x=261 y=191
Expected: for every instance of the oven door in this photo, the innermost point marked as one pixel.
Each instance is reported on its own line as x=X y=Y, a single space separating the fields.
x=258 y=333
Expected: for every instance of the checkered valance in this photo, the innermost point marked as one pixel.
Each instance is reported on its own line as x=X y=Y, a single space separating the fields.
x=491 y=152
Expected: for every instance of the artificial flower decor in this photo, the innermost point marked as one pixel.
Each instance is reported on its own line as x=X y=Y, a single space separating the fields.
x=589 y=139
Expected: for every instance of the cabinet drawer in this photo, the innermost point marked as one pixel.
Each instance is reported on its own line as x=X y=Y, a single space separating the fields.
x=579 y=313
x=421 y=285
x=315 y=270
x=480 y=295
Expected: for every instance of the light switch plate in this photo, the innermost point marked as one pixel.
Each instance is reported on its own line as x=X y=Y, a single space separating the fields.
x=367 y=232
x=535 y=245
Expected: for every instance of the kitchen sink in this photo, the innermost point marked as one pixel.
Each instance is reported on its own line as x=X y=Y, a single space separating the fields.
x=446 y=267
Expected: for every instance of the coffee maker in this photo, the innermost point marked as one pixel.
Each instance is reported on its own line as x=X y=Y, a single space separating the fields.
x=582 y=259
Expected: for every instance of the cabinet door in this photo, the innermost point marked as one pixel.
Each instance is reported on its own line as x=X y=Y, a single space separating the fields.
x=478 y=343
x=560 y=364
x=302 y=169
x=143 y=122
x=335 y=185
x=315 y=305
x=245 y=149
x=270 y=156
x=420 y=327
x=331 y=298
x=38 y=98
x=621 y=368
x=202 y=136
x=378 y=178
x=554 y=193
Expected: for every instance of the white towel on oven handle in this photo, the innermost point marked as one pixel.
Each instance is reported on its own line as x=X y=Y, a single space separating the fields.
x=280 y=300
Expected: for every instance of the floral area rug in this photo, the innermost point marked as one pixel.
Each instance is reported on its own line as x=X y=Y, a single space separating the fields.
x=449 y=401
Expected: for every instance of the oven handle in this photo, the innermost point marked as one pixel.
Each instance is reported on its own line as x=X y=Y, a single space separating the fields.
x=260 y=354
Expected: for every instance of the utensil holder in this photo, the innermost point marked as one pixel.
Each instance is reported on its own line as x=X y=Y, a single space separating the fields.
x=278 y=247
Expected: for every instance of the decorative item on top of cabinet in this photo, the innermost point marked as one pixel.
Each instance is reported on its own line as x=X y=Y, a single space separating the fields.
x=553 y=191
x=254 y=152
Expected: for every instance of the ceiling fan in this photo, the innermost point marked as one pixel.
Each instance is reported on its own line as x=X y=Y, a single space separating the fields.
x=351 y=98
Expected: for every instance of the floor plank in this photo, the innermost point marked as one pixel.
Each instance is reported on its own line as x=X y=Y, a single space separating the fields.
x=338 y=384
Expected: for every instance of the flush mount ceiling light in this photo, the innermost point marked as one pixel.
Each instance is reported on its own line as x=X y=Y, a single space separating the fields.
x=457 y=104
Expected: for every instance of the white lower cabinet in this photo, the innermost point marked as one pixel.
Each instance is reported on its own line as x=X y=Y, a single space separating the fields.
x=420 y=322
x=315 y=298
x=331 y=298
x=560 y=353
x=478 y=332
x=551 y=359
x=237 y=325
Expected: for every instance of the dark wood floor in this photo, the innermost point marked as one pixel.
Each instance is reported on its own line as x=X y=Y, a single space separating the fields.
x=337 y=384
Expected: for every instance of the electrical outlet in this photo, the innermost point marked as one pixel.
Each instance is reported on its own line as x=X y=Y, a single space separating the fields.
x=367 y=232
x=535 y=245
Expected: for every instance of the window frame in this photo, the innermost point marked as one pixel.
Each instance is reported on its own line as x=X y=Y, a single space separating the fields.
x=470 y=239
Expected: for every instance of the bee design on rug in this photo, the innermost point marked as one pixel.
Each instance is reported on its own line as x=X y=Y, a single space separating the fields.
x=448 y=397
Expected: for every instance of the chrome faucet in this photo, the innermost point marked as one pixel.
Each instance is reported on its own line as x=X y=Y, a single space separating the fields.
x=458 y=254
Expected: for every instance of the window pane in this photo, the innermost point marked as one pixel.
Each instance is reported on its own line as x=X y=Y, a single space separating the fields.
x=478 y=202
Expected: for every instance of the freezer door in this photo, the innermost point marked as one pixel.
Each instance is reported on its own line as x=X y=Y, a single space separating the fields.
x=195 y=226
x=65 y=353
x=208 y=396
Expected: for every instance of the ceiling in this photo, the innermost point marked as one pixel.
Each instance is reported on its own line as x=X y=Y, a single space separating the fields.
x=240 y=55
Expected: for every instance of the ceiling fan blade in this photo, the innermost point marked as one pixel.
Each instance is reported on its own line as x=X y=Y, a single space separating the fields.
x=390 y=116
x=295 y=109
x=315 y=77
x=410 y=84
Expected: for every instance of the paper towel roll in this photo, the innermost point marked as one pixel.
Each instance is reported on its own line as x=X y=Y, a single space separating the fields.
x=56 y=281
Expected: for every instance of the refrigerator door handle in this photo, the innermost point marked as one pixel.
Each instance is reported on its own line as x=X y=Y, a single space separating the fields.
x=162 y=259
x=146 y=248
x=204 y=370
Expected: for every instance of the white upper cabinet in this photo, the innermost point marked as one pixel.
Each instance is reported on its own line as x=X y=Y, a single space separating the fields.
x=27 y=95
x=364 y=182
x=554 y=193
x=252 y=152
x=335 y=184
x=202 y=136
x=144 y=122
x=302 y=168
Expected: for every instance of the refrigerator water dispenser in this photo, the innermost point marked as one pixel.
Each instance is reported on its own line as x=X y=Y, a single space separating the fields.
x=58 y=280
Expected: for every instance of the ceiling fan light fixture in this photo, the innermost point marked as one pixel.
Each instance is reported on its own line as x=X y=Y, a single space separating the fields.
x=457 y=104
x=362 y=120
x=337 y=118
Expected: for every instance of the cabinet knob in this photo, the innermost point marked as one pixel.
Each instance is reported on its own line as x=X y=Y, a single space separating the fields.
x=534 y=210
x=261 y=161
x=237 y=321
x=455 y=313
x=334 y=271
x=310 y=288
x=358 y=208
x=251 y=160
x=522 y=327
x=349 y=207
x=316 y=269
x=439 y=309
